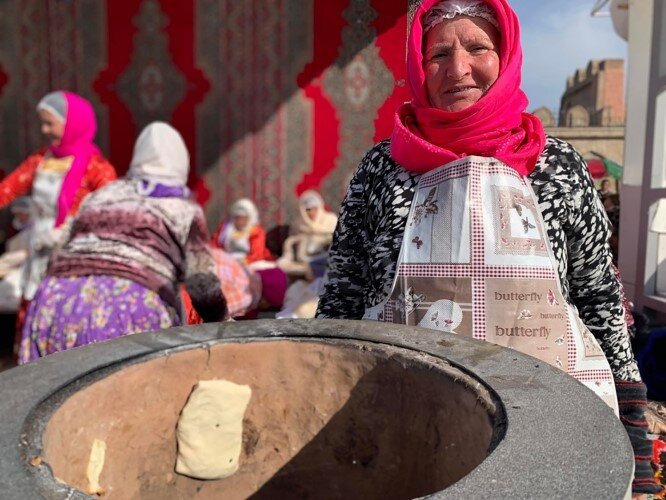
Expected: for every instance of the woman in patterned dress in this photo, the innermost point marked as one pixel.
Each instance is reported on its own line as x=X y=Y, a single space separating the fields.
x=125 y=254
x=464 y=63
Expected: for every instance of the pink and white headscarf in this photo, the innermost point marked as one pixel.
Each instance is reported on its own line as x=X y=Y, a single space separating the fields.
x=77 y=141
x=495 y=126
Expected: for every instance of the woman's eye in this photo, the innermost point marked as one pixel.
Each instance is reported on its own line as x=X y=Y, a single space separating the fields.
x=478 y=50
x=441 y=54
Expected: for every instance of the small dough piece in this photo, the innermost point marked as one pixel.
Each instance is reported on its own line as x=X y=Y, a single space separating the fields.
x=210 y=429
x=95 y=466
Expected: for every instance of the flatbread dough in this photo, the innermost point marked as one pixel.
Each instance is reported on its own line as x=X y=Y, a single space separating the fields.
x=95 y=466
x=210 y=429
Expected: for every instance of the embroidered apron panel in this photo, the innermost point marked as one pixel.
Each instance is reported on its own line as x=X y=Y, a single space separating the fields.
x=476 y=261
x=45 y=192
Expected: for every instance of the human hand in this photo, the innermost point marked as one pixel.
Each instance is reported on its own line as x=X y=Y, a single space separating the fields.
x=47 y=240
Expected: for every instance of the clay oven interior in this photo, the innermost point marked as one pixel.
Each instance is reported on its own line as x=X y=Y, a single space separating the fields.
x=337 y=419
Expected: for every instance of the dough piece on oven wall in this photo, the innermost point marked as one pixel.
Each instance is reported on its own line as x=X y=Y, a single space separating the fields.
x=210 y=429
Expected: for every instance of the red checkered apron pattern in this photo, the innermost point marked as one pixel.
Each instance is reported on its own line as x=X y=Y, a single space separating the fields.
x=476 y=261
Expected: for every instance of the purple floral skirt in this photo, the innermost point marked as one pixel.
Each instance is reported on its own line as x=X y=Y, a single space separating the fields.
x=73 y=311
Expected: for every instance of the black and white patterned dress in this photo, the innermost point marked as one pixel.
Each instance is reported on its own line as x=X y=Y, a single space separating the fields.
x=368 y=238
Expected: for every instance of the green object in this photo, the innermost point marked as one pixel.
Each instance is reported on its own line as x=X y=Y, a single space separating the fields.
x=612 y=169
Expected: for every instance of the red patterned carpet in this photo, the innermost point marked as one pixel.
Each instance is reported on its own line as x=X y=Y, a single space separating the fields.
x=272 y=96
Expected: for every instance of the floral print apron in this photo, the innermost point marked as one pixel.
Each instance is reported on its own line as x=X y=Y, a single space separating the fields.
x=476 y=261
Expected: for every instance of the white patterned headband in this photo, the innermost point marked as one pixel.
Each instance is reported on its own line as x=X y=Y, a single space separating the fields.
x=448 y=9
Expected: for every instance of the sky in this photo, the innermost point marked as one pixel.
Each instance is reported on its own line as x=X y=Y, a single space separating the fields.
x=558 y=37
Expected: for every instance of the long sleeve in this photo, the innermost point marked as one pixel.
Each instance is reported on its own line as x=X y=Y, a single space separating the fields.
x=99 y=173
x=215 y=240
x=593 y=286
x=348 y=266
x=19 y=182
x=597 y=293
x=201 y=279
x=258 y=250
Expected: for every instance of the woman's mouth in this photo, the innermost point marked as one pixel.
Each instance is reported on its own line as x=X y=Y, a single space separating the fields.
x=458 y=90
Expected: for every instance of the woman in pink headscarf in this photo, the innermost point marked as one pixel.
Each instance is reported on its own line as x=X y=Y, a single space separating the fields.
x=56 y=177
x=470 y=220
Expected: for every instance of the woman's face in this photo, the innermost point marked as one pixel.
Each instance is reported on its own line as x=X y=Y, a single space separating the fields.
x=52 y=128
x=240 y=221
x=312 y=212
x=461 y=61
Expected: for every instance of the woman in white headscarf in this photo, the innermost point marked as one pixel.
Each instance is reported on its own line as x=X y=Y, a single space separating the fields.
x=125 y=254
x=242 y=236
x=312 y=236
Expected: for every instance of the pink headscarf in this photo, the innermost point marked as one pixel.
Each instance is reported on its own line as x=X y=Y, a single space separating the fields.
x=77 y=141
x=496 y=126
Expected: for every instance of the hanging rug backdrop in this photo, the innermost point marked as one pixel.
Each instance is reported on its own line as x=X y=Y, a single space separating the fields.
x=272 y=96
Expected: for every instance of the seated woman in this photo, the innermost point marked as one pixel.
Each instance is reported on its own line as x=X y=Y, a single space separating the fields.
x=242 y=236
x=124 y=255
x=56 y=178
x=312 y=236
x=471 y=220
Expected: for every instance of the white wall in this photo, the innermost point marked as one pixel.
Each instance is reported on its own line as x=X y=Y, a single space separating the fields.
x=632 y=189
x=638 y=83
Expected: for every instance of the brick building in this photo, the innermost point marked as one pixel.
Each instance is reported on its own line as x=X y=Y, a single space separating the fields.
x=594 y=96
x=592 y=111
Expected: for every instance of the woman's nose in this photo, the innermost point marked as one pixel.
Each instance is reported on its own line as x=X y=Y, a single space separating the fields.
x=459 y=64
